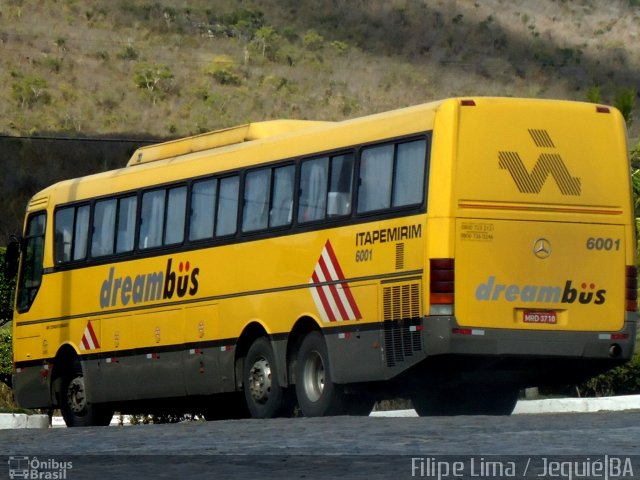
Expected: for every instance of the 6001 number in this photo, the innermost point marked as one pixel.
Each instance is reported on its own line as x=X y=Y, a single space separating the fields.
x=364 y=255
x=599 y=243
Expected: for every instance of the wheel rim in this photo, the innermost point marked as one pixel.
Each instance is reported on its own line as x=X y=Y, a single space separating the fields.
x=260 y=380
x=313 y=376
x=76 y=396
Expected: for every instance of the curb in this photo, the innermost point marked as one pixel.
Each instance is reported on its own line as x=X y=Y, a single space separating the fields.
x=22 y=420
x=579 y=405
x=524 y=407
x=553 y=405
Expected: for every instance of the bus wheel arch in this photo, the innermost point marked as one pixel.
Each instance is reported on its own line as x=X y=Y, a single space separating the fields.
x=303 y=327
x=259 y=373
x=65 y=360
x=69 y=392
x=317 y=394
x=250 y=334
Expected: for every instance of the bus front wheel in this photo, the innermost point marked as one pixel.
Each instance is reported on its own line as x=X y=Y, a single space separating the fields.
x=317 y=395
x=76 y=409
x=262 y=391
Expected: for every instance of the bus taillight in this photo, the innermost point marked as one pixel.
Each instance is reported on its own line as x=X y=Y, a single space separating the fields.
x=441 y=286
x=631 y=288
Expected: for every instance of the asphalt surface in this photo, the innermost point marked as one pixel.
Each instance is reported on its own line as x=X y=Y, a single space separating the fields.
x=337 y=447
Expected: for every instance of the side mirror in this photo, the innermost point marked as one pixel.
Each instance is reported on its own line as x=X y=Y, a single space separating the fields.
x=11 y=259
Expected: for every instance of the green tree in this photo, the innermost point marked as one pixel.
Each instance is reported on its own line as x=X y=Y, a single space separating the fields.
x=155 y=79
x=245 y=22
x=29 y=91
x=266 y=39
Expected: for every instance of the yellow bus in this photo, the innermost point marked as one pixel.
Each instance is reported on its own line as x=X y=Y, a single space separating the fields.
x=451 y=253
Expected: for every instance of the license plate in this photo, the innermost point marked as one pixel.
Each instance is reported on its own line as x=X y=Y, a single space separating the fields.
x=540 y=316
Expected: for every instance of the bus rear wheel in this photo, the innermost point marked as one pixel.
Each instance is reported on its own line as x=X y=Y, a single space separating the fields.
x=76 y=409
x=262 y=391
x=317 y=395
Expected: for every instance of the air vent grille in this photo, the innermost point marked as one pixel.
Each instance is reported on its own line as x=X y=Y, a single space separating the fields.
x=402 y=320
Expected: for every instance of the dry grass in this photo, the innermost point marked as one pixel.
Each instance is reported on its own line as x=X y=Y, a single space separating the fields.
x=399 y=52
x=6 y=399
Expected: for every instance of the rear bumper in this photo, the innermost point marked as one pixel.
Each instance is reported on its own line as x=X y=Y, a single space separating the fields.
x=443 y=335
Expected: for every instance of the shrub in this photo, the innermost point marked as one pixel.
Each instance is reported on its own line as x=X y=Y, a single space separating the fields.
x=625 y=101
x=224 y=70
x=225 y=76
x=312 y=40
x=155 y=79
x=594 y=95
x=6 y=356
x=7 y=289
x=341 y=47
x=624 y=380
x=29 y=91
x=245 y=22
x=129 y=53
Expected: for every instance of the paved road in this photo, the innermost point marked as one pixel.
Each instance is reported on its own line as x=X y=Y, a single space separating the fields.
x=339 y=447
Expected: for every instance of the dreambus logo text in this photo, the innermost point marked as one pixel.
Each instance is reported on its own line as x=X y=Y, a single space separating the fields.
x=584 y=293
x=149 y=287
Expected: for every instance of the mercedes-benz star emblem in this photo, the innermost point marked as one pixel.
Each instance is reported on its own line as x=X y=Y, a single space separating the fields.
x=542 y=248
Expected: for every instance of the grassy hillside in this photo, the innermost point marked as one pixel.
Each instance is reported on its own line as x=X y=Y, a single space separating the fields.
x=176 y=67
x=168 y=68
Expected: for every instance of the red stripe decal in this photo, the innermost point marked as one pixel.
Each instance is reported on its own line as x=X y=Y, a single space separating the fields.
x=332 y=296
x=352 y=301
x=325 y=303
x=93 y=335
x=333 y=289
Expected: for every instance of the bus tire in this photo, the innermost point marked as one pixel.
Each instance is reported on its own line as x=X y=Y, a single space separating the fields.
x=317 y=395
x=76 y=410
x=262 y=391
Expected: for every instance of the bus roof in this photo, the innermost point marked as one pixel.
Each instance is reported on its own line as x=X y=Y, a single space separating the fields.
x=258 y=137
x=218 y=138
x=263 y=142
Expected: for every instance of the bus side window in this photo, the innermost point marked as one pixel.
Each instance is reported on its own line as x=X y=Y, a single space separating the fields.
x=32 y=257
x=63 y=223
x=227 y=217
x=152 y=219
x=313 y=189
x=339 y=199
x=125 y=234
x=408 y=182
x=81 y=234
x=376 y=171
x=203 y=200
x=104 y=221
x=282 y=197
x=176 y=211
x=256 y=200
